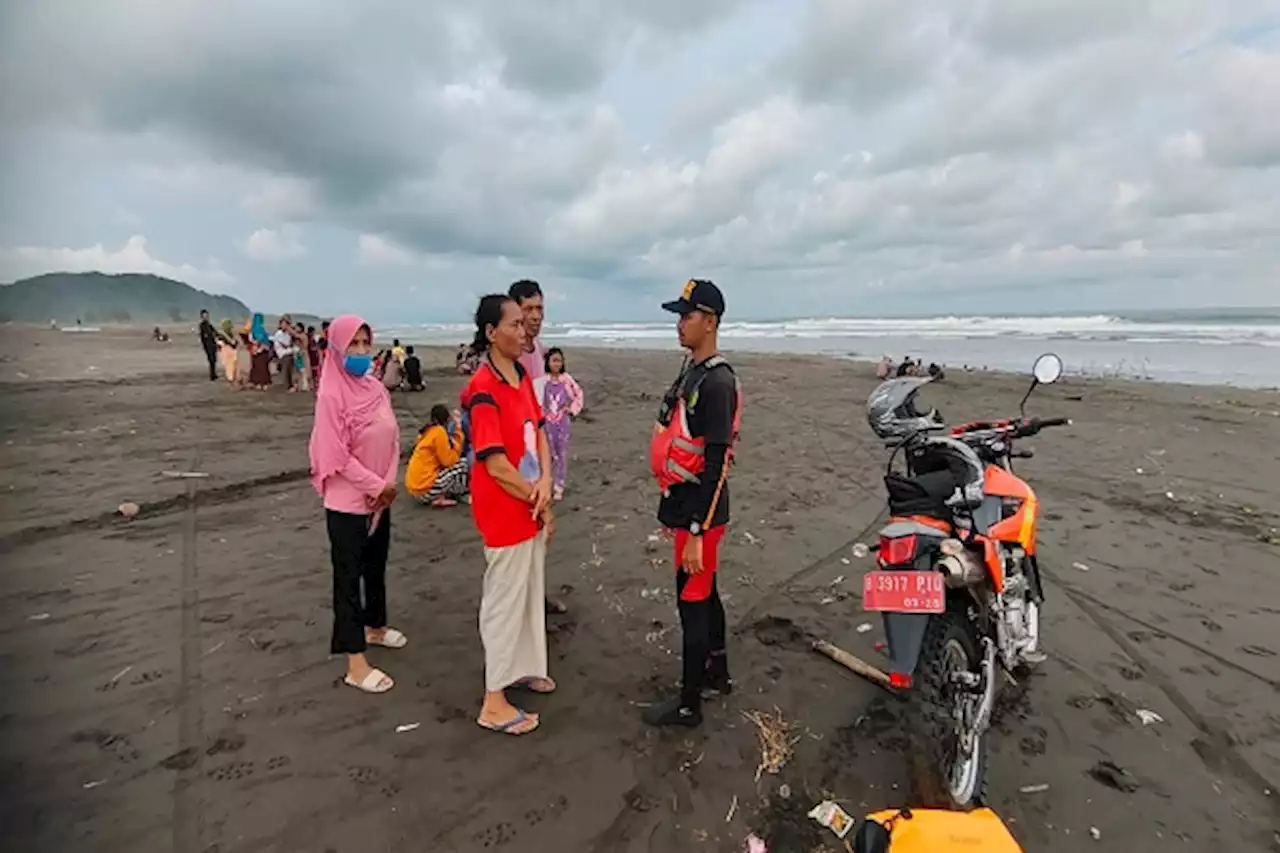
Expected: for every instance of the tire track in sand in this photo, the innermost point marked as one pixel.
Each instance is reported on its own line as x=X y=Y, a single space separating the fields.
x=188 y=809
x=1215 y=746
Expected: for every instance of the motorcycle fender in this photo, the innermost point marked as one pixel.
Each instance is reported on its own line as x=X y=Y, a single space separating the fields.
x=904 y=634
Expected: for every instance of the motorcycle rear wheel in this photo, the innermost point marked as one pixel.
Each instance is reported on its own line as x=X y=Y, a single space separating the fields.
x=943 y=775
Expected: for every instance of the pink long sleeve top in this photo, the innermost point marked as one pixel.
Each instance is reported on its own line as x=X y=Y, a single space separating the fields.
x=373 y=464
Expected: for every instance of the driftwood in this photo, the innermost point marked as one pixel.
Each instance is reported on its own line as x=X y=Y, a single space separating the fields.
x=852 y=663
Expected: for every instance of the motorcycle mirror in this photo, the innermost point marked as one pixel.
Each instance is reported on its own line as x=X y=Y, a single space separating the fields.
x=1047 y=369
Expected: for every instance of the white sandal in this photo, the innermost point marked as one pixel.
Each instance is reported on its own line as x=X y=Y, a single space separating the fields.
x=391 y=639
x=376 y=681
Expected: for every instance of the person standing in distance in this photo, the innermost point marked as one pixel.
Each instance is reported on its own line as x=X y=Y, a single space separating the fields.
x=527 y=293
x=209 y=341
x=689 y=455
x=282 y=342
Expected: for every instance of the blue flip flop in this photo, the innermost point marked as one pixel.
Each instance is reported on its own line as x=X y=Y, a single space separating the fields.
x=506 y=728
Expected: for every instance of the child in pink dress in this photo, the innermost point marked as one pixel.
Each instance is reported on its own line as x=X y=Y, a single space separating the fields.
x=561 y=403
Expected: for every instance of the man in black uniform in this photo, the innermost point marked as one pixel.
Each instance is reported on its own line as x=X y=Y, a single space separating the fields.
x=697 y=507
x=209 y=340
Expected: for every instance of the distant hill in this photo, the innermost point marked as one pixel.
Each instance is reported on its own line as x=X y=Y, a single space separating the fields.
x=95 y=297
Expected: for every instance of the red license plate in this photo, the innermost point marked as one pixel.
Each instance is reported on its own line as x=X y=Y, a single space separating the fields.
x=904 y=592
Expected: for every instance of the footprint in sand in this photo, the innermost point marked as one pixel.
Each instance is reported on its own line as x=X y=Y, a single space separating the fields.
x=228 y=742
x=496 y=835
x=1034 y=744
x=232 y=772
x=363 y=775
x=117 y=745
x=447 y=715
x=183 y=759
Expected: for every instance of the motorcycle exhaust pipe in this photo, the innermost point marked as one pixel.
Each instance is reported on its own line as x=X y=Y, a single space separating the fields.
x=982 y=718
x=960 y=568
x=1033 y=627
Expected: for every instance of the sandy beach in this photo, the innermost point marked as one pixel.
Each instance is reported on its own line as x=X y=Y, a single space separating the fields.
x=168 y=684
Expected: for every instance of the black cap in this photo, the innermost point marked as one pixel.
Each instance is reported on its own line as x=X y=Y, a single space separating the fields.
x=698 y=295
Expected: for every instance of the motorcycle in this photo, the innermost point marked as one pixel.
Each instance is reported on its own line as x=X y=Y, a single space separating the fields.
x=958 y=585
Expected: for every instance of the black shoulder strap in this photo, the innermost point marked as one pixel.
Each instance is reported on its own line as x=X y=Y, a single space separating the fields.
x=698 y=373
x=670 y=398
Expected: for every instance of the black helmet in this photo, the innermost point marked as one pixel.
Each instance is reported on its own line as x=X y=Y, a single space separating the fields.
x=892 y=412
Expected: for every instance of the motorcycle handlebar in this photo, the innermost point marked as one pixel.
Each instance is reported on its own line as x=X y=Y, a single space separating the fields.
x=1033 y=426
x=979 y=430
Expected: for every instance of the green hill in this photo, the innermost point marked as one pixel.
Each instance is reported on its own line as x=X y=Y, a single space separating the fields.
x=95 y=297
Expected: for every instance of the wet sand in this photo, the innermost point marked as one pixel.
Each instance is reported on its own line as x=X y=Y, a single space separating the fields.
x=168 y=686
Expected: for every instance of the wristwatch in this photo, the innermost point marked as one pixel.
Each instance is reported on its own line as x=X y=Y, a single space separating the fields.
x=695 y=529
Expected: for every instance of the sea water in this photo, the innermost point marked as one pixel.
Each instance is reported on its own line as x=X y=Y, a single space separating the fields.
x=1239 y=347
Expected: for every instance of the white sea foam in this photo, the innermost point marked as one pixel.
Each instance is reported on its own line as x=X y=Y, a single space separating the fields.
x=1234 y=350
x=1079 y=328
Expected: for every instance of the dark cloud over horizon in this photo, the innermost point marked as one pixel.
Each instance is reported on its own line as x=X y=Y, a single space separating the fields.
x=852 y=156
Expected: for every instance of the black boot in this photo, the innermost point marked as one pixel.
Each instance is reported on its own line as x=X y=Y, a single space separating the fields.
x=717 y=686
x=717 y=680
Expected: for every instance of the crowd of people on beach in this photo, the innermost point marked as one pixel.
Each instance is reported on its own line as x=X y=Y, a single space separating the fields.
x=250 y=355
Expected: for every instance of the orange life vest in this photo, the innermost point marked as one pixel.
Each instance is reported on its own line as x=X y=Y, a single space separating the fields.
x=675 y=455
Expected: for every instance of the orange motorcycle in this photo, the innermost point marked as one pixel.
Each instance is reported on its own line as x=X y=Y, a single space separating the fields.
x=956 y=578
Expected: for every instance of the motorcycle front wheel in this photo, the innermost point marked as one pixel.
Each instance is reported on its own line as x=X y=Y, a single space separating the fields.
x=946 y=773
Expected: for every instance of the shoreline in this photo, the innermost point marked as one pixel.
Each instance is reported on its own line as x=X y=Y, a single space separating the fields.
x=657 y=346
x=951 y=370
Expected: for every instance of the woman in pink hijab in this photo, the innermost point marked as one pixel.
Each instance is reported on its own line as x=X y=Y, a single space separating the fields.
x=355 y=457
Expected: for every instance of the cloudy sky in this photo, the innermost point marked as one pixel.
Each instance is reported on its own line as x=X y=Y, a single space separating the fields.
x=398 y=157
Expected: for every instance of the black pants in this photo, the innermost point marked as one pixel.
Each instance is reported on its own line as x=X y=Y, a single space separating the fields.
x=212 y=355
x=702 y=623
x=357 y=555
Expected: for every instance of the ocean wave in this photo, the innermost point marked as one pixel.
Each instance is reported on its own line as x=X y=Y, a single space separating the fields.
x=1099 y=327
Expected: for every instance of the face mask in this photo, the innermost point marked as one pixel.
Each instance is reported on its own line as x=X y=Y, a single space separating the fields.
x=357 y=365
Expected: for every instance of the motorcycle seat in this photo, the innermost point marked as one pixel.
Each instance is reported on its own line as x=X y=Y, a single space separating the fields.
x=921 y=494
